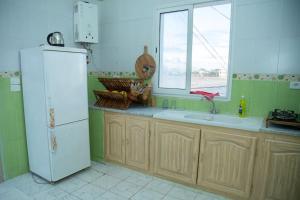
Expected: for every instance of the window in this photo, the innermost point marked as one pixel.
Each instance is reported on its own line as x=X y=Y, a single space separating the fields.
x=173 y=42
x=193 y=49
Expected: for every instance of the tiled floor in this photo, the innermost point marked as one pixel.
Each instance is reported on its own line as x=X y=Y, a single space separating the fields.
x=101 y=182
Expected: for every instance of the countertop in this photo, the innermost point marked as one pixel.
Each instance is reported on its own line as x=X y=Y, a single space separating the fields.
x=277 y=129
x=134 y=110
x=152 y=111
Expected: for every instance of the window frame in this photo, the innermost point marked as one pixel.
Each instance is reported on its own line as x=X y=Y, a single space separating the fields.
x=175 y=7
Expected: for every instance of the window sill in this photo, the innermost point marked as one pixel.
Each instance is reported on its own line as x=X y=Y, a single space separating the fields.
x=192 y=97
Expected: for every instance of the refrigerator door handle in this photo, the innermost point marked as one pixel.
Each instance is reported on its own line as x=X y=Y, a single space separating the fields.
x=52 y=118
x=53 y=143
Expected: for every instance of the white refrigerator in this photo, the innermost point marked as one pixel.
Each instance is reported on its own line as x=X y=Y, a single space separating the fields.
x=54 y=84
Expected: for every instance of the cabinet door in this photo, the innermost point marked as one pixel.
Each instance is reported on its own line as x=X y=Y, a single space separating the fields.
x=176 y=151
x=226 y=162
x=282 y=170
x=137 y=142
x=115 y=137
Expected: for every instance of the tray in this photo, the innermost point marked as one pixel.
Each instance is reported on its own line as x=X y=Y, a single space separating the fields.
x=112 y=100
x=119 y=84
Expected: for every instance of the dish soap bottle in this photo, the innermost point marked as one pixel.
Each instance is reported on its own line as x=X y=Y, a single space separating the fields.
x=242 y=107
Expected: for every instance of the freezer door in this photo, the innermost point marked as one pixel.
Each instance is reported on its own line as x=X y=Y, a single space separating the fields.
x=70 y=149
x=66 y=85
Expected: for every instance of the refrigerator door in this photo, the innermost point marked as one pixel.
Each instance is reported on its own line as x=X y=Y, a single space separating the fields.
x=70 y=149
x=66 y=85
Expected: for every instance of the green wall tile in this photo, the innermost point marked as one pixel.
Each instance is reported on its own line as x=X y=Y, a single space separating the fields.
x=288 y=98
x=96 y=121
x=93 y=84
x=261 y=97
x=12 y=131
x=264 y=97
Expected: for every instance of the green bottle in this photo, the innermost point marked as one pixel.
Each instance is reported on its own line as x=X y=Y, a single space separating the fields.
x=242 y=107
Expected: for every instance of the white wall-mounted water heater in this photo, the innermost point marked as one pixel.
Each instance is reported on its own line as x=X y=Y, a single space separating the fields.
x=85 y=22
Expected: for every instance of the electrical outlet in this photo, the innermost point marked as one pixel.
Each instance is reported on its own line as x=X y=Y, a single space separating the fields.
x=295 y=85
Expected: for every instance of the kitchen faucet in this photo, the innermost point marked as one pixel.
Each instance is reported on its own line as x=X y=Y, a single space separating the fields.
x=213 y=109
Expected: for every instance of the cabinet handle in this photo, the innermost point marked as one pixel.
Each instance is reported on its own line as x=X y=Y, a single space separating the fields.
x=53 y=143
x=52 y=117
x=127 y=141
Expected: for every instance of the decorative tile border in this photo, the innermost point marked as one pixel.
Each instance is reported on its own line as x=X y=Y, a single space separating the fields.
x=10 y=74
x=114 y=74
x=266 y=77
x=100 y=74
x=236 y=76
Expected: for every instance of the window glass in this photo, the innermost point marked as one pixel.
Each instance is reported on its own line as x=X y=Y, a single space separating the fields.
x=173 y=49
x=211 y=34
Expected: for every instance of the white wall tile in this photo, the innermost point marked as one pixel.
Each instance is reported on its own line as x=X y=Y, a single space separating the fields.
x=289 y=57
x=290 y=18
x=255 y=56
x=110 y=34
x=110 y=11
x=109 y=58
x=27 y=24
x=136 y=9
x=260 y=28
x=258 y=20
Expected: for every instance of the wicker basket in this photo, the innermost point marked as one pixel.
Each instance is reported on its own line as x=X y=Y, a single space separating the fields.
x=112 y=100
x=119 y=84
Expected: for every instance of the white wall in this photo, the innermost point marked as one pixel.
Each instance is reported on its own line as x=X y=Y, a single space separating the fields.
x=26 y=23
x=266 y=37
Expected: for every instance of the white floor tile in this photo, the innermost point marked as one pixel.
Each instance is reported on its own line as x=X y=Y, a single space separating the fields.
x=89 y=175
x=4 y=188
x=139 y=179
x=69 y=197
x=161 y=186
x=71 y=184
x=31 y=188
x=53 y=194
x=14 y=194
x=126 y=189
x=102 y=182
x=182 y=193
x=89 y=192
x=170 y=198
x=147 y=194
x=101 y=167
x=111 y=196
x=121 y=173
x=106 y=181
x=21 y=180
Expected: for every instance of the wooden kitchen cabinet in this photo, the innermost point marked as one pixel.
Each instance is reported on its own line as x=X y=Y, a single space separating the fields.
x=226 y=162
x=281 y=170
x=137 y=142
x=127 y=140
x=235 y=163
x=115 y=137
x=176 y=151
